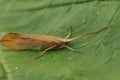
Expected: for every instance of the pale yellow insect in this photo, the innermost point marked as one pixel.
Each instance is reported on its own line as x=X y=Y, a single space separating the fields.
x=15 y=41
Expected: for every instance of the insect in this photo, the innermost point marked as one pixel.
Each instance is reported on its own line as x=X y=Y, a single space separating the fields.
x=16 y=41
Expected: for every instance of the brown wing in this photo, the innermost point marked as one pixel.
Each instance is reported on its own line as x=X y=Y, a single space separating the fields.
x=17 y=41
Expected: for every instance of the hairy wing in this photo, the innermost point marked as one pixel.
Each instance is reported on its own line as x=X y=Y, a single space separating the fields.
x=17 y=41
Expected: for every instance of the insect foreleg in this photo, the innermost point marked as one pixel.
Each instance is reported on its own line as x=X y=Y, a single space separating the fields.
x=43 y=52
x=69 y=34
x=71 y=49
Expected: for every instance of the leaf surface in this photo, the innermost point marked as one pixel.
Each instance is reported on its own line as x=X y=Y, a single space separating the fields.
x=99 y=58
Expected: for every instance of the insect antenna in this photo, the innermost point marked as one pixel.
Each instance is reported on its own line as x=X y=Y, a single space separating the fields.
x=90 y=33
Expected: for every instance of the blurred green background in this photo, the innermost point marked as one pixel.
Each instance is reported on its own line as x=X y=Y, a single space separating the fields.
x=100 y=58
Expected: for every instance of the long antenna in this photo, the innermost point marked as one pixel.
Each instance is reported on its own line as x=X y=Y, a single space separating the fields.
x=104 y=28
x=86 y=34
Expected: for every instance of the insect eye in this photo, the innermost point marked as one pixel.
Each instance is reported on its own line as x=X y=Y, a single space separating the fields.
x=66 y=43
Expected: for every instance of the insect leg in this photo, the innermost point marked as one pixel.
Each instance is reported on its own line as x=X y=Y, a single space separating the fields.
x=49 y=48
x=69 y=34
x=71 y=49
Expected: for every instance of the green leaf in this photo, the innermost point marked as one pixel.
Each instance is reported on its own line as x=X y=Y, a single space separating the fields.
x=99 y=58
